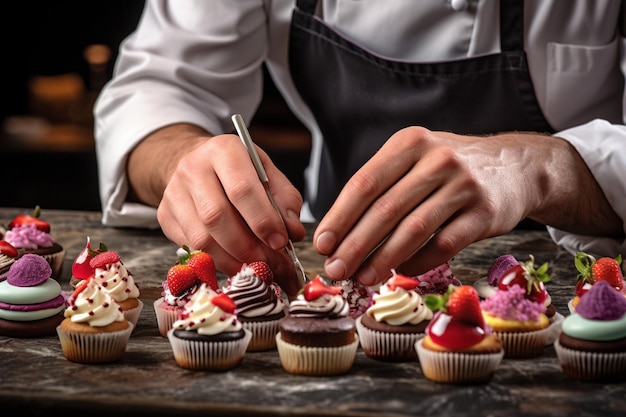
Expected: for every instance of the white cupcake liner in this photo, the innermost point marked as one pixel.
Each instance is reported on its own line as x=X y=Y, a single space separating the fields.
x=132 y=315
x=527 y=344
x=209 y=356
x=94 y=347
x=591 y=366
x=314 y=361
x=165 y=318
x=457 y=368
x=394 y=347
x=263 y=334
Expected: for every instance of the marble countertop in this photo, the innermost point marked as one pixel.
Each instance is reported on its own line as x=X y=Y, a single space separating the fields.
x=36 y=378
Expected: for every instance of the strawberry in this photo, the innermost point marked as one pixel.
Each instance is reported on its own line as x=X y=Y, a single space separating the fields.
x=608 y=269
x=31 y=219
x=80 y=266
x=464 y=305
x=402 y=281
x=263 y=271
x=7 y=249
x=104 y=258
x=224 y=302
x=592 y=270
x=180 y=278
x=528 y=277
x=204 y=267
x=316 y=288
x=79 y=288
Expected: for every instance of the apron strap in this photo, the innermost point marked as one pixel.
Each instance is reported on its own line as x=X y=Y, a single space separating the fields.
x=307 y=6
x=511 y=25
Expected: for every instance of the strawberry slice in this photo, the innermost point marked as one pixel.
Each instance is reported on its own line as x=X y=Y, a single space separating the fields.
x=224 y=302
x=402 y=281
x=7 y=249
x=316 y=288
x=30 y=219
x=103 y=259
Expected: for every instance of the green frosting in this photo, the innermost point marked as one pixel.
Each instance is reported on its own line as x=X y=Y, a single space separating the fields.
x=11 y=294
x=596 y=330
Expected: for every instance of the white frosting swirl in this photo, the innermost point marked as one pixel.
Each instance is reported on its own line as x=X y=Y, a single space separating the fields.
x=331 y=306
x=117 y=281
x=94 y=307
x=28 y=237
x=206 y=318
x=398 y=307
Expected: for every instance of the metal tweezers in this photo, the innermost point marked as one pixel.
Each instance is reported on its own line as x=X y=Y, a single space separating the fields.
x=245 y=137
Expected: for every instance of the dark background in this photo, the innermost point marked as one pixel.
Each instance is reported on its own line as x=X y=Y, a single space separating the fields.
x=48 y=38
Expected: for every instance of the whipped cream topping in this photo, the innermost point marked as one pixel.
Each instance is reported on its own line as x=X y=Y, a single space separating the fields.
x=93 y=306
x=398 y=306
x=512 y=304
x=28 y=237
x=180 y=300
x=252 y=296
x=326 y=306
x=117 y=281
x=206 y=318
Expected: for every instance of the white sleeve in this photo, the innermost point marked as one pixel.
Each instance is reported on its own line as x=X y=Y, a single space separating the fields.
x=603 y=147
x=177 y=66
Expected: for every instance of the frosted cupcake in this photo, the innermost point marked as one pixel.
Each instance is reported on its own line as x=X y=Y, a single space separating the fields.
x=208 y=336
x=520 y=323
x=94 y=329
x=259 y=306
x=114 y=278
x=591 y=270
x=459 y=347
x=592 y=343
x=317 y=337
x=8 y=255
x=28 y=233
x=393 y=323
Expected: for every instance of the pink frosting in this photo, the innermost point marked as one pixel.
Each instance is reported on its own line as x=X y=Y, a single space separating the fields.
x=437 y=280
x=28 y=237
x=602 y=302
x=512 y=304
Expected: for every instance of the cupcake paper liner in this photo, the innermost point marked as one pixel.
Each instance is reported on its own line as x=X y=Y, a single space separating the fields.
x=96 y=347
x=392 y=347
x=457 y=368
x=591 y=366
x=132 y=315
x=165 y=318
x=314 y=361
x=263 y=334
x=209 y=356
x=527 y=344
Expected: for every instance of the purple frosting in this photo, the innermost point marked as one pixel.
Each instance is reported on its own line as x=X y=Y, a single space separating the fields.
x=54 y=303
x=602 y=302
x=29 y=270
x=499 y=267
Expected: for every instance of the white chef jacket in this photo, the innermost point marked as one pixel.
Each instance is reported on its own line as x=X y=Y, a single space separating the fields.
x=200 y=61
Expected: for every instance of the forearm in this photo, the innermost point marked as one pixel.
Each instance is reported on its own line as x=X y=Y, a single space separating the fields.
x=151 y=163
x=569 y=198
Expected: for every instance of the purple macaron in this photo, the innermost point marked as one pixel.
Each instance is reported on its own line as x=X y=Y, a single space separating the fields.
x=29 y=270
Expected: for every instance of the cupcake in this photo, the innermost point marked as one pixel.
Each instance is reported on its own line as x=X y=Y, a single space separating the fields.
x=259 y=303
x=208 y=336
x=592 y=343
x=317 y=337
x=8 y=255
x=31 y=302
x=393 y=323
x=31 y=234
x=459 y=347
x=94 y=329
x=519 y=322
x=357 y=295
x=192 y=268
x=591 y=270
x=437 y=280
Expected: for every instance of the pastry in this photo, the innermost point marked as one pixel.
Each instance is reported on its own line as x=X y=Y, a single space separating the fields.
x=31 y=302
x=592 y=343
x=31 y=234
x=459 y=347
x=591 y=270
x=395 y=320
x=259 y=303
x=317 y=337
x=94 y=329
x=207 y=335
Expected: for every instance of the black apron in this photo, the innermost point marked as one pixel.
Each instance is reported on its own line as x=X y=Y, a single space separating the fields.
x=359 y=99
